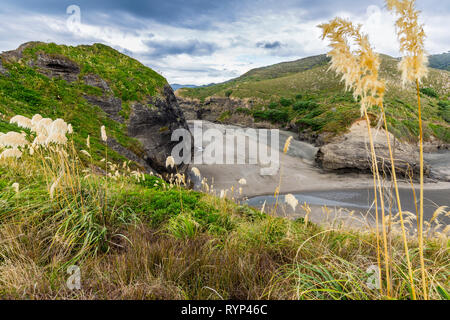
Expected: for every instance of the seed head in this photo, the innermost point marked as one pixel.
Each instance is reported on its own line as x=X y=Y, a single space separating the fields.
x=59 y=126
x=57 y=138
x=411 y=36
x=11 y=153
x=21 y=121
x=13 y=139
x=170 y=162
x=196 y=172
x=103 y=134
x=36 y=118
x=291 y=200
x=359 y=68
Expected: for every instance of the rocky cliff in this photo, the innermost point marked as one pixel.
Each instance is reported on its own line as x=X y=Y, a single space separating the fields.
x=222 y=110
x=136 y=104
x=351 y=152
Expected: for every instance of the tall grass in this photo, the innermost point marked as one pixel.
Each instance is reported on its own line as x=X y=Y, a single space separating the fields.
x=156 y=239
x=359 y=71
x=413 y=66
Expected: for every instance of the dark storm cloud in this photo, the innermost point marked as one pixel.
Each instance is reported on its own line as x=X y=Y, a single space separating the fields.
x=194 y=13
x=199 y=14
x=269 y=45
x=189 y=47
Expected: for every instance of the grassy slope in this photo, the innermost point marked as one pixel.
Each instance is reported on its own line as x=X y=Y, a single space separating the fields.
x=440 y=61
x=27 y=92
x=145 y=239
x=308 y=79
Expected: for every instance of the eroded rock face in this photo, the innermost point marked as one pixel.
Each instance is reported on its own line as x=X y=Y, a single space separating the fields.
x=2 y=69
x=94 y=80
x=58 y=67
x=222 y=110
x=352 y=152
x=108 y=103
x=113 y=144
x=153 y=124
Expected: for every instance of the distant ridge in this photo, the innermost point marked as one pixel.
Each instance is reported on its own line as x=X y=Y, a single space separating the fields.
x=177 y=86
x=440 y=61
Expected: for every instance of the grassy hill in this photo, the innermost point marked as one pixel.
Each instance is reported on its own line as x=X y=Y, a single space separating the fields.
x=26 y=91
x=306 y=94
x=440 y=61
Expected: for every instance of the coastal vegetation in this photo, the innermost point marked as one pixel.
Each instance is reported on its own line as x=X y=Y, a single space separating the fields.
x=137 y=236
x=67 y=198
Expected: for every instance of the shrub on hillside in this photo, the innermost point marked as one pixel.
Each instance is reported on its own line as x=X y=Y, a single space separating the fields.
x=444 y=110
x=285 y=102
x=304 y=105
x=429 y=92
x=273 y=105
x=279 y=116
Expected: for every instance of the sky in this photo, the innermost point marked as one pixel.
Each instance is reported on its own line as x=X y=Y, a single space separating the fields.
x=209 y=41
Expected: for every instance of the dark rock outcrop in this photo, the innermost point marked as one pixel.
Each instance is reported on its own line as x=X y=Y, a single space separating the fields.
x=53 y=66
x=57 y=66
x=212 y=109
x=351 y=152
x=223 y=110
x=153 y=124
x=94 y=80
x=2 y=69
x=108 y=103
x=113 y=144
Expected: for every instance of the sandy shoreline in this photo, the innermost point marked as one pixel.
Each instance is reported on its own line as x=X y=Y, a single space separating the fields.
x=300 y=175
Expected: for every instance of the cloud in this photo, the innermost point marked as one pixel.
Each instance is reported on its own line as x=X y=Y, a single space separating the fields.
x=163 y=48
x=269 y=45
x=203 y=41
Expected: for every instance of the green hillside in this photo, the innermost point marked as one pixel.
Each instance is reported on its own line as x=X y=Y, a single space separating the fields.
x=306 y=94
x=440 y=61
x=26 y=91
